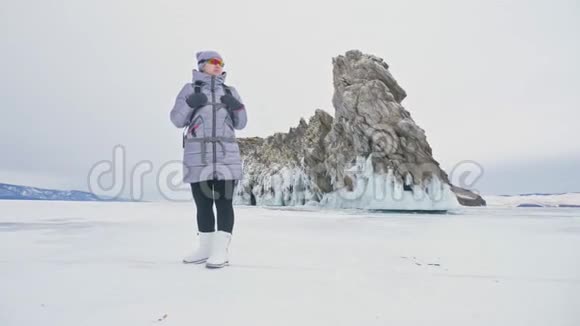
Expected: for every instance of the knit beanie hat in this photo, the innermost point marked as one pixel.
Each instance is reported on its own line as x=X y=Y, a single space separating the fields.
x=203 y=56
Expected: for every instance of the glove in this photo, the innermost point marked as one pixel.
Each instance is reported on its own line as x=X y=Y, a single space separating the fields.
x=231 y=102
x=196 y=100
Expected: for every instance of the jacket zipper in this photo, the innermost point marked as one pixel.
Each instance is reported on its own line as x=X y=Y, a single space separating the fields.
x=213 y=131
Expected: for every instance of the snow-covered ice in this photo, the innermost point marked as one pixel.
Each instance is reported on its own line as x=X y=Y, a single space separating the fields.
x=113 y=263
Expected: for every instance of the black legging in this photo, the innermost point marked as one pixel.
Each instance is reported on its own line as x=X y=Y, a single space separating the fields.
x=222 y=195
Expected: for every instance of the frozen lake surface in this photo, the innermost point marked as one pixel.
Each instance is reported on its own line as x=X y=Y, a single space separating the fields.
x=93 y=263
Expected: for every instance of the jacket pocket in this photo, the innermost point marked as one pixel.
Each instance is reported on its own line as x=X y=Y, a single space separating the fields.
x=228 y=127
x=197 y=128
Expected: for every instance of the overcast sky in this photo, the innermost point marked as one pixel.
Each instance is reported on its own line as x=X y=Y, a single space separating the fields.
x=495 y=82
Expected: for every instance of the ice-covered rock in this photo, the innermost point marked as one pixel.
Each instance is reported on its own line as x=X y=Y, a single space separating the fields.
x=370 y=155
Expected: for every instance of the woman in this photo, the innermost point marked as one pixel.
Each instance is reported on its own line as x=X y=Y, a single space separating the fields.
x=211 y=160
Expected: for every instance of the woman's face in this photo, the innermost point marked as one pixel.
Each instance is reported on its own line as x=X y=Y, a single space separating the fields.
x=212 y=69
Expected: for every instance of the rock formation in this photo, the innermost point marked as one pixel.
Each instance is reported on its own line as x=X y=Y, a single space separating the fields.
x=370 y=155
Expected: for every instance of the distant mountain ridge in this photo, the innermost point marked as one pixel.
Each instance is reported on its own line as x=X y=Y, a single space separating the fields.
x=565 y=200
x=19 y=192
x=542 y=194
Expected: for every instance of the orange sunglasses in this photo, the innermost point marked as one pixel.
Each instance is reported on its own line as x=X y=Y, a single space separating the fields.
x=214 y=61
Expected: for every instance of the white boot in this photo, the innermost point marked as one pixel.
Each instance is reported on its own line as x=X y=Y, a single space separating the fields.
x=219 y=250
x=201 y=254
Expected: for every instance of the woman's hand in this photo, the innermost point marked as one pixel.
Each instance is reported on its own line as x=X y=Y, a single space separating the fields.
x=231 y=102
x=196 y=100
